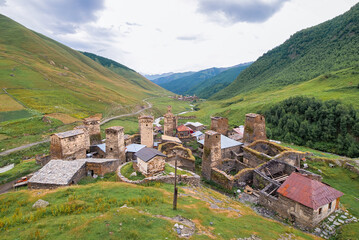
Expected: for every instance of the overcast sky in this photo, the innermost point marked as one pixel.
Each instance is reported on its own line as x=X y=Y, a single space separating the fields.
x=157 y=36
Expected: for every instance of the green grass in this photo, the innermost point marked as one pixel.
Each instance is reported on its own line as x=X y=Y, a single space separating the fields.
x=108 y=177
x=93 y=211
x=18 y=171
x=349 y=231
x=129 y=123
x=316 y=153
x=169 y=169
x=14 y=115
x=127 y=170
x=341 y=179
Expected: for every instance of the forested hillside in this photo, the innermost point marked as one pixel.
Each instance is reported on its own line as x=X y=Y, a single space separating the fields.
x=207 y=88
x=325 y=125
x=174 y=76
x=330 y=46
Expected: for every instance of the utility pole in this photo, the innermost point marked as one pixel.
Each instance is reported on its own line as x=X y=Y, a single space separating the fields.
x=175 y=187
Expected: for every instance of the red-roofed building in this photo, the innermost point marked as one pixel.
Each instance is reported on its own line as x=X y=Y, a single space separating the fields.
x=303 y=200
x=184 y=132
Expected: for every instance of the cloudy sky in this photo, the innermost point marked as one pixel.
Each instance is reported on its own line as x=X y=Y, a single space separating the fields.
x=156 y=36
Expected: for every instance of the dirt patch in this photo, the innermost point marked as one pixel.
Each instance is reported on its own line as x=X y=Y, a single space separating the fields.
x=3 y=137
x=9 y=104
x=202 y=230
x=66 y=119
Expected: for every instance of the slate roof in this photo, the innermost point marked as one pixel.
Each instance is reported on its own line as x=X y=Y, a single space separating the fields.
x=309 y=192
x=134 y=147
x=146 y=154
x=196 y=124
x=70 y=133
x=226 y=142
x=170 y=138
x=57 y=172
x=102 y=146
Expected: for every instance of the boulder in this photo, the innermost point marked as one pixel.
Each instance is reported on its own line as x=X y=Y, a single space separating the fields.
x=40 y=204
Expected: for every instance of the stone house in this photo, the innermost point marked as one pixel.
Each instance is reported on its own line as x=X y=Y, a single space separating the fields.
x=131 y=150
x=229 y=147
x=184 y=132
x=150 y=161
x=302 y=200
x=68 y=145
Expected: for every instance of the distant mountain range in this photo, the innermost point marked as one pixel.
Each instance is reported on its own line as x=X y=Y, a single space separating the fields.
x=156 y=76
x=203 y=83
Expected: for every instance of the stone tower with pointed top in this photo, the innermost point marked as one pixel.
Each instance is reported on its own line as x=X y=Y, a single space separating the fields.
x=115 y=143
x=212 y=154
x=146 y=130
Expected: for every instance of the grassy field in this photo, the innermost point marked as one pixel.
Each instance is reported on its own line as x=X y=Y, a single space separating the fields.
x=15 y=115
x=94 y=211
x=9 y=104
x=19 y=171
x=340 y=85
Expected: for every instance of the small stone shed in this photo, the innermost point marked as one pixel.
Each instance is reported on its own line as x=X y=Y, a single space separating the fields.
x=101 y=166
x=304 y=201
x=150 y=161
x=57 y=173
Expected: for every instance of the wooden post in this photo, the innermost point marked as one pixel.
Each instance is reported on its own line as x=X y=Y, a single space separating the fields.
x=175 y=187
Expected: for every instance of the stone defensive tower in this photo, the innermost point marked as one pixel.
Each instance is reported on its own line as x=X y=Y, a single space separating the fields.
x=115 y=143
x=146 y=130
x=220 y=125
x=212 y=154
x=254 y=128
x=68 y=145
x=170 y=122
x=92 y=125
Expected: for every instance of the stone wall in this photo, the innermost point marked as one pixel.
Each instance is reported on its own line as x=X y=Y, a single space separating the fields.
x=146 y=130
x=115 y=143
x=193 y=180
x=228 y=152
x=42 y=159
x=220 y=125
x=254 y=158
x=254 y=128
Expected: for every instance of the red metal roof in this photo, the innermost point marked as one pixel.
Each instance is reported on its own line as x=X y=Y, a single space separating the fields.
x=184 y=128
x=309 y=192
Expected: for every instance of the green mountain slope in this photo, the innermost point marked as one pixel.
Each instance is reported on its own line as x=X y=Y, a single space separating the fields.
x=174 y=76
x=207 y=88
x=131 y=75
x=182 y=85
x=49 y=77
x=330 y=46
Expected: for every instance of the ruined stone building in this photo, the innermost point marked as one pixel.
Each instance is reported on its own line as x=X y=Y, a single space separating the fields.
x=92 y=125
x=150 y=161
x=254 y=128
x=170 y=122
x=220 y=125
x=212 y=154
x=177 y=152
x=229 y=147
x=115 y=143
x=302 y=200
x=68 y=145
x=146 y=130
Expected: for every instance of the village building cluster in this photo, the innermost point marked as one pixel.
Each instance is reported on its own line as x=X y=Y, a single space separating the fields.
x=232 y=158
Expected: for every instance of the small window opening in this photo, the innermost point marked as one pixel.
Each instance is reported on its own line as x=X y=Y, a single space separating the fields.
x=330 y=206
x=320 y=210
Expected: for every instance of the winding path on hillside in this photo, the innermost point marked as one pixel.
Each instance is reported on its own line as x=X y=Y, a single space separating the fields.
x=149 y=106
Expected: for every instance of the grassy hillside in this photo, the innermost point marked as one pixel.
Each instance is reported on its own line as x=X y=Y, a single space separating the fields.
x=49 y=77
x=340 y=85
x=97 y=211
x=184 y=84
x=206 y=89
x=327 y=47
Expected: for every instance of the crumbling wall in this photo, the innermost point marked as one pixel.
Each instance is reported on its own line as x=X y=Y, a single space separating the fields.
x=221 y=178
x=291 y=157
x=254 y=158
x=101 y=168
x=228 y=152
